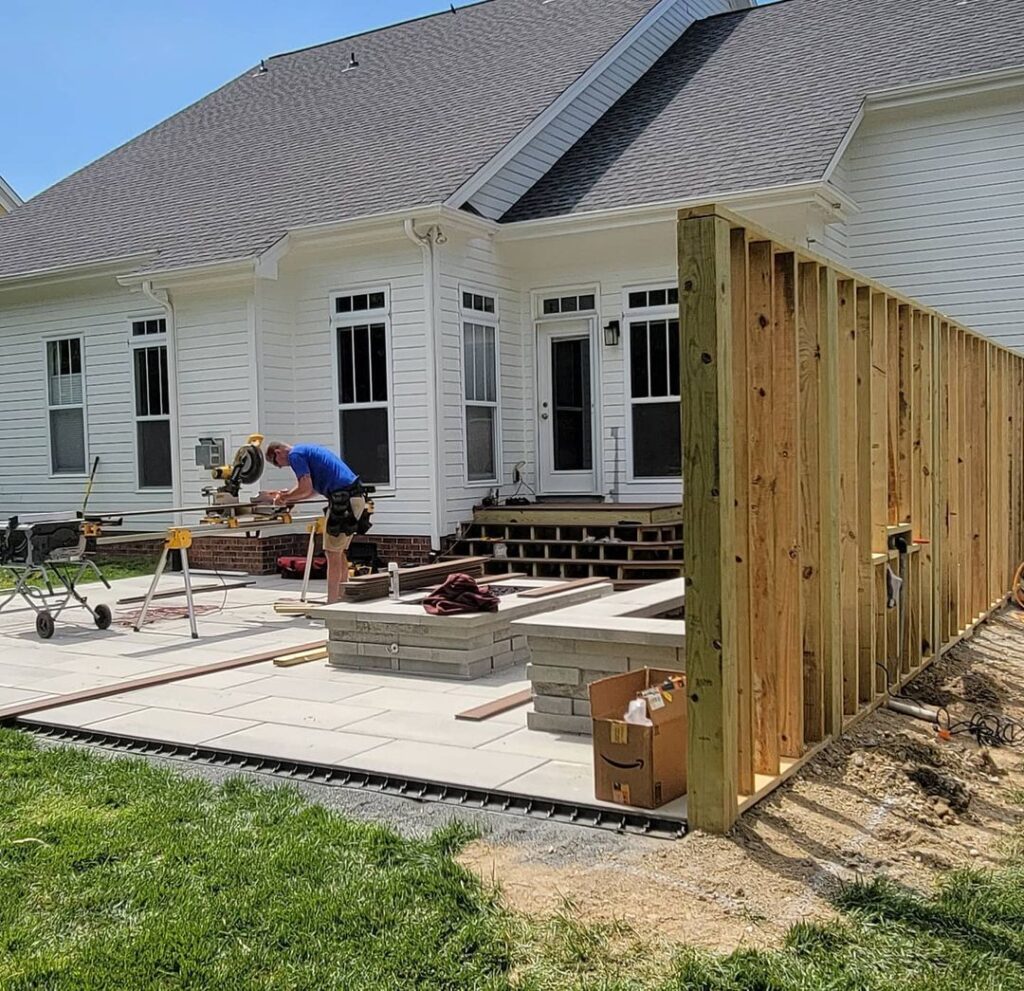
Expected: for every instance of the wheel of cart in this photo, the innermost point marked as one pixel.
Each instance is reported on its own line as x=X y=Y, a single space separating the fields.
x=102 y=617
x=45 y=625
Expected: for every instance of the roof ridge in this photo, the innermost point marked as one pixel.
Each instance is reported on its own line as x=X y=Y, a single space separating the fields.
x=381 y=29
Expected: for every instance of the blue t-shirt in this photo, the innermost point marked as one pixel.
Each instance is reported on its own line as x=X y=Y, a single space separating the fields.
x=327 y=471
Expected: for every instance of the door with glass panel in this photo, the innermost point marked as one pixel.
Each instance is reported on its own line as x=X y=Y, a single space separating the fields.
x=566 y=408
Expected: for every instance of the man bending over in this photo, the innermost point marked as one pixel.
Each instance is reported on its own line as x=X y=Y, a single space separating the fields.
x=318 y=469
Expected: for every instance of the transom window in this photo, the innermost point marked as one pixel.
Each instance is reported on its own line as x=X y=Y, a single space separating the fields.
x=152 y=383
x=65 y=390
x=360 y=302
x=480 y=377
x=655 y=411
x=577 y=303
x=642 y=299
x=361 y=332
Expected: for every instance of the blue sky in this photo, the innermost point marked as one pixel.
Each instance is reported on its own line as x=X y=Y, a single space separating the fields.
x=80 y=78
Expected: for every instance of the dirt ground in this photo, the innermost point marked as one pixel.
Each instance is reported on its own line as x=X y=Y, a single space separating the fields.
x=890 y=798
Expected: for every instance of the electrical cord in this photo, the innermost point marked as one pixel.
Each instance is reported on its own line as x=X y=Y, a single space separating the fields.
x=989 y=729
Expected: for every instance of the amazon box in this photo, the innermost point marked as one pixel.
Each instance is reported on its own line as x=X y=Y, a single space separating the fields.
x=644 y=766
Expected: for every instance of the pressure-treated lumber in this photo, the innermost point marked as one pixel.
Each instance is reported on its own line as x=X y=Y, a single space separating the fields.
x=709 y=518
x=860 y=431
x=364 y=587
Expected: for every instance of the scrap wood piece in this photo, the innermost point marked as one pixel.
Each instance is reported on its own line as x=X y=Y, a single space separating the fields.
x=496 y=706
x=22 y=709
x=292 y=607
x=174 y=593
x=540 y=593
x=301 y=657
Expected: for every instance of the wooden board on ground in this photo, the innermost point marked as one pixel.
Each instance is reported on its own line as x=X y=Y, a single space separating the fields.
x=480 y=712
x=301 y=657
x=196 y=590
x=21 y=709
x=540 y=593
x=366 y=587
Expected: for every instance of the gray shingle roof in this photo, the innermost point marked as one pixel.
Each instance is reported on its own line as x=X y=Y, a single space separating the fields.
x=763 y=97
x=431 y=102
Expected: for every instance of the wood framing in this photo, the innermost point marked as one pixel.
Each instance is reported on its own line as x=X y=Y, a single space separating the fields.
x=840 y=441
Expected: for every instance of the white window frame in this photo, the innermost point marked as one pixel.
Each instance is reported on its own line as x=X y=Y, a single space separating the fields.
x=642 y=315
x=481 y=318
x=136 y=343
x=47 y=341
x=585 y=289
x=355 y=319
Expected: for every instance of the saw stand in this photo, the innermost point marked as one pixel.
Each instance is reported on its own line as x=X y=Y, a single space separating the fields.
x=178 y=539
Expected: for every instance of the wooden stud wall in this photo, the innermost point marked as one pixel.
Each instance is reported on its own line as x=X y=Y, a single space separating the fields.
x=827 y=422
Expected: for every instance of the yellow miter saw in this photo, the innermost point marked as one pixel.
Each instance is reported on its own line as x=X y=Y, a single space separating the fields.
x=246 y=469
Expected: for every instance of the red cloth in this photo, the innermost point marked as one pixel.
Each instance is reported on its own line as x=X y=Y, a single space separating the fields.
x=460 y=594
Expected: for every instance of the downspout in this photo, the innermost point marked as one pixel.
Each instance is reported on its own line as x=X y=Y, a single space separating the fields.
x=435 y=414
x=162 y=298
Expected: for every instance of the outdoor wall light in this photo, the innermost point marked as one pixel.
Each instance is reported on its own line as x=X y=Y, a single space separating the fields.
x=611 y=333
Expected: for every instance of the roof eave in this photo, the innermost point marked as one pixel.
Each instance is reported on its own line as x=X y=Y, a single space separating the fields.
x=813 y=192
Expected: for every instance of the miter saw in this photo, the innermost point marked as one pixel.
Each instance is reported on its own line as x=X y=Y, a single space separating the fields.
x=246 y=469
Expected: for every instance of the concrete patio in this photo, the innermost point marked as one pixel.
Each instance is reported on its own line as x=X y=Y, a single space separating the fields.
x=378 y=721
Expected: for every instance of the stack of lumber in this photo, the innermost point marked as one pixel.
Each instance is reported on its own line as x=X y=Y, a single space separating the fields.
x=365 y=587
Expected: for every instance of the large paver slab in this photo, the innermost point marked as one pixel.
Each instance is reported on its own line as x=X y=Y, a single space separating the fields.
x=312 y=689
x=429 y=727
x=84 y=713
x=301 y=712
x=435 y=762
x=548 y=746
x=408 y=700
x=12 y=696
x=172 y=726
x=188 y=697
x=300 y=743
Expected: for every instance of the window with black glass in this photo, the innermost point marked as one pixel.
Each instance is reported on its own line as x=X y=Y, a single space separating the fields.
x=480 y=385
x=655 y=410
x=151 y=380
x=364 y=406
x=65 y=392
x=568 y=304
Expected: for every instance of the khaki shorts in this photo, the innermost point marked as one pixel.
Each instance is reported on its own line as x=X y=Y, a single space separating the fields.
x=342 y=541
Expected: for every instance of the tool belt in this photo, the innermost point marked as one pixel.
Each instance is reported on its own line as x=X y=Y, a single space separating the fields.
x=345 y=519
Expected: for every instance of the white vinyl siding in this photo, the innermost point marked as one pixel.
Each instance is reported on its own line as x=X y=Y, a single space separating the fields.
x=65 y=393
x=300 y=337
x=940 y=186
x=537 y=157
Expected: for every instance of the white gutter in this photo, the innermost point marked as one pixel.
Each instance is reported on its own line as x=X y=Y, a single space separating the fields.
x=162 y=299
x=435 y=414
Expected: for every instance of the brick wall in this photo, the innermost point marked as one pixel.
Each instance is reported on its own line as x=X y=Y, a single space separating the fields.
x=258 y=555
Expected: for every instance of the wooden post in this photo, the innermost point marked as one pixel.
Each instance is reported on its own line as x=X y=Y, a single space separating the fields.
x=866 y=583
x=745 y=687
x=831 y=537
x=708 y=517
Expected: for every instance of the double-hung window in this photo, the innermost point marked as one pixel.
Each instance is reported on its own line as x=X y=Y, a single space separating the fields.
x=65 y=395
x=652 y=318
x=480 y=385
x=360 y=321
x=152 y=384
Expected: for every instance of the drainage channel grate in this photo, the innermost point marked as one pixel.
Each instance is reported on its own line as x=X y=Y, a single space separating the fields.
x=481 y=799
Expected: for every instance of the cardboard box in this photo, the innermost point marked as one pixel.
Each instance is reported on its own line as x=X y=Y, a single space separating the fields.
x=638 y=765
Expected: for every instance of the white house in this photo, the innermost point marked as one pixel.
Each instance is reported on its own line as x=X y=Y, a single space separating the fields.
x=447 y=247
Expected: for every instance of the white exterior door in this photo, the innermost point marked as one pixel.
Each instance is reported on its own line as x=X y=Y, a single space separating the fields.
x=568 y=452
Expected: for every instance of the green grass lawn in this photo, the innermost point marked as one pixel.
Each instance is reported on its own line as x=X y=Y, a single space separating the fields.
x=112 y=568
x=118 y=875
